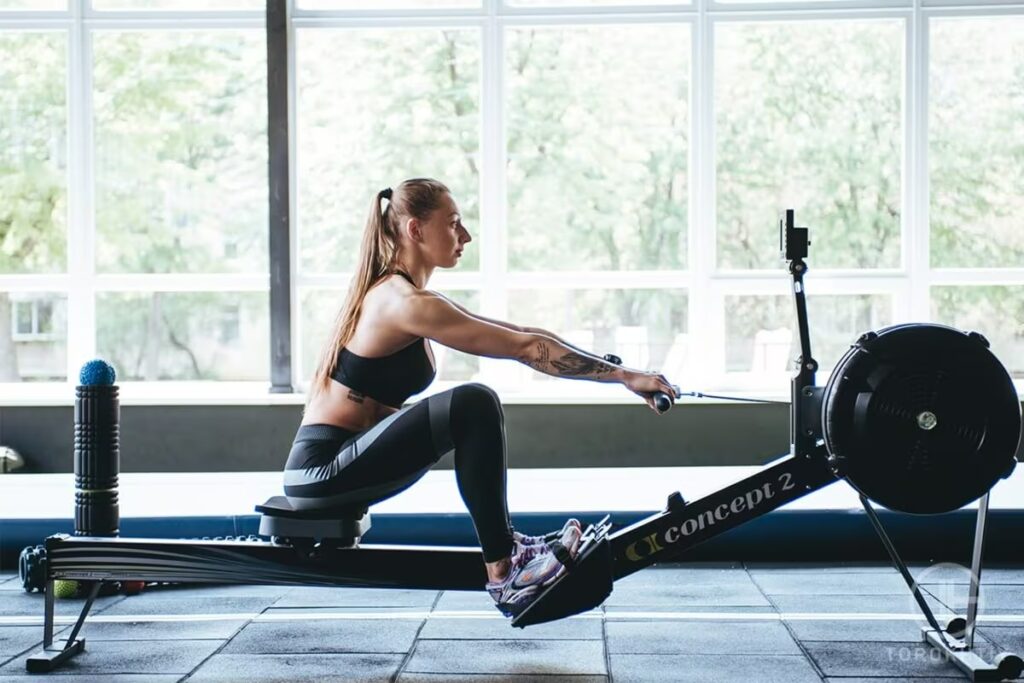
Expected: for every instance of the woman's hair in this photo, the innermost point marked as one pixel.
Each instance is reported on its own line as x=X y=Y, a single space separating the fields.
x=378 y=255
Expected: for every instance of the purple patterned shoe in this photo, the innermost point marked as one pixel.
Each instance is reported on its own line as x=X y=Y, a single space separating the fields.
x=533 y=568
x=547 y=538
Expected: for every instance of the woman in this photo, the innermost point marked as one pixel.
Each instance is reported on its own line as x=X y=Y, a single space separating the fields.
x=357 y=445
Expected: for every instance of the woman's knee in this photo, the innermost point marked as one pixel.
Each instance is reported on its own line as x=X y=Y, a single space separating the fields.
x=475 y=401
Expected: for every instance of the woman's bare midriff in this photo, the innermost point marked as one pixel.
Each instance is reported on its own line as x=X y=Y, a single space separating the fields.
x=337 y=406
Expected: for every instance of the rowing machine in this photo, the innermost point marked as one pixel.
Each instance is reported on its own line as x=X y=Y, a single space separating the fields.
x=919 y=418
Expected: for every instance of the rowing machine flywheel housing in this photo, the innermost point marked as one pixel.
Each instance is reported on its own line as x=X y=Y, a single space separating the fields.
x=921 y=418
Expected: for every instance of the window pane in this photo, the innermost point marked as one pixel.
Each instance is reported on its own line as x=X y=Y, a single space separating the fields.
x=597 y=147
x=33 y=337
x=646 y=328
x=761 y=335
x=995 y=311
x=592 y=3
x=22 y=318
x=33 y=153
x=179 y=4
x=320 y=310
x=383 y=4
x=33 y=5
x=175 y=335
x=181 y=151
x=808 y=117
x=975 y=129
x=366 y=123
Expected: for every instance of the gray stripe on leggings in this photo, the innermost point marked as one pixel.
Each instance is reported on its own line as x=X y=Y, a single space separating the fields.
x=358 y=495
x=439 y=409
x=315 y=475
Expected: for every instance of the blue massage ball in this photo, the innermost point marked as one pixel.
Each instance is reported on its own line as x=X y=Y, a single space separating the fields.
x=97 y=373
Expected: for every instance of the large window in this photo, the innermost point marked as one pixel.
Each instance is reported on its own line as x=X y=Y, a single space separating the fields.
x=134 y=191
x=620 y=164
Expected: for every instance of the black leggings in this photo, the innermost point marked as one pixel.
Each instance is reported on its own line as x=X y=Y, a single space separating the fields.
x=332 y=467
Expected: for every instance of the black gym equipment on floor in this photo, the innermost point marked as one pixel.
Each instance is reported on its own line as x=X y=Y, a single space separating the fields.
x=919 y=418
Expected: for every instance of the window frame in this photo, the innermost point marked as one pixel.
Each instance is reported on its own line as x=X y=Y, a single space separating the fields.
x=706 y=284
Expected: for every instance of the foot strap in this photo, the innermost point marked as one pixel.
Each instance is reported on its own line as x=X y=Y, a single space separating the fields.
x=563 y=555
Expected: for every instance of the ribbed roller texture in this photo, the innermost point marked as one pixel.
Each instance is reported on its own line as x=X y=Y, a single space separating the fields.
x=97 y=460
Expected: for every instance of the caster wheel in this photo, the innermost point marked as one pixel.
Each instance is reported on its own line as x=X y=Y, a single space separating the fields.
x=957 y=627
x=1010 y=665
x=32 y=568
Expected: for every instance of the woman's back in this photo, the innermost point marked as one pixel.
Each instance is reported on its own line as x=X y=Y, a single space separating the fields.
x=375 y=363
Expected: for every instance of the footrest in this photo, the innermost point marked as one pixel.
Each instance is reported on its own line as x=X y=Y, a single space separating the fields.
x=585 y=586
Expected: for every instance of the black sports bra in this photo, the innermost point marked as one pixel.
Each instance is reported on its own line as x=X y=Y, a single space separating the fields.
x=387 y=379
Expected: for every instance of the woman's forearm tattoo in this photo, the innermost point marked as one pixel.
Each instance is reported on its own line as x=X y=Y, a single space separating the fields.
x=571 y=364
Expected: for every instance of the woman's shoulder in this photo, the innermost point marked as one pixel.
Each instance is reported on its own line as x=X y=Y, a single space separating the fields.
x=388 y=302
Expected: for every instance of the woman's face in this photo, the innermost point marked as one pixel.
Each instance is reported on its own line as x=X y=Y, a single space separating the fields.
x=444 y=235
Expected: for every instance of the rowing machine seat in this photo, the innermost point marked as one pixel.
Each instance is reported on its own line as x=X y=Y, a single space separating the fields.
x=344 y=526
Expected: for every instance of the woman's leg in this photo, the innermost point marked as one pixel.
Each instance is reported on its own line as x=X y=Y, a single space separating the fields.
x=399 y=450
x=481 y=466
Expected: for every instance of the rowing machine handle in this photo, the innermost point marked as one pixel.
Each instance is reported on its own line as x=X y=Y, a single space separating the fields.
x=661 y=400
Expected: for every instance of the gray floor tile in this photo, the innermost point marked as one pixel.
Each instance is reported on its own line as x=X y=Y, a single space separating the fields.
x=466 y=600
x=993 y=599
x=145 y=603
x=895 y=660
x=826 y=583
x=959 y=573
x=160 y=630
x=218 y=591
x=350 y=668
x=682 y=595
x=94 y=678
x=22 y=604
x=705 y=668
x=15 y=639
x=912 y=679
x=903 y=630
x=1009 y=638
x=705 y=638
x=853 y=604
x=491 y=678
x=273 y=613
x=500 y=628
x=583 y=657
x=130 y=657
x=675 y=575
x=321 y=636
x=624 y=612
x=819 y=567
x=326 y=596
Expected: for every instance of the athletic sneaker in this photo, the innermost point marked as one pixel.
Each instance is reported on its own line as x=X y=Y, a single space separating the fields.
x=534 y=567
x=548 y=537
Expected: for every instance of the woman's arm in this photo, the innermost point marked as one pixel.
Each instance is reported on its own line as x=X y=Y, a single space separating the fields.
x=537 y=330
x=517 y=328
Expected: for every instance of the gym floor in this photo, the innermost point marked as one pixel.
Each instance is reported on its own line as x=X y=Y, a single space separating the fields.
x=679 y=622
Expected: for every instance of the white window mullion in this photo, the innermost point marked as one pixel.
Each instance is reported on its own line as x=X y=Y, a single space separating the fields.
x=707 y=331
x=81 y=308
x=918 y=222
x=493 y=212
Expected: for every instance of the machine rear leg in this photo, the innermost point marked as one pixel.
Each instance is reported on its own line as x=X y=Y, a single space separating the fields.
x=52 y=657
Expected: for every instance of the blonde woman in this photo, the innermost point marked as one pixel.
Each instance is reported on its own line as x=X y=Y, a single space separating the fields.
x=358 y=445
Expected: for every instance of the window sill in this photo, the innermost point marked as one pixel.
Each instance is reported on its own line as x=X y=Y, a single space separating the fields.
x=258 y=394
